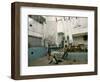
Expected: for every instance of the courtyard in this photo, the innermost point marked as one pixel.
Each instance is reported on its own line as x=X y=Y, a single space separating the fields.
x=57 y=40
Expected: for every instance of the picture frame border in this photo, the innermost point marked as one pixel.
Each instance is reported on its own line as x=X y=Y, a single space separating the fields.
x=15 y=39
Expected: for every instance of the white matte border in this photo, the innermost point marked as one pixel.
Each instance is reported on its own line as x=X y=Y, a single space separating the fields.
x=25 y=70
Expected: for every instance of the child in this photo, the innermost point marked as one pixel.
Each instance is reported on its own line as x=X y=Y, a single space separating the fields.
x=65 y=53
x=49 y=52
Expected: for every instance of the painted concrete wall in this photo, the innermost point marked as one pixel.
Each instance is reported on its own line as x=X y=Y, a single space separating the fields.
x=36 y=53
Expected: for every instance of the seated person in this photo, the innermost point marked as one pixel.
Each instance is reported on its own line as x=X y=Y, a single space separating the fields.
x=53 y=59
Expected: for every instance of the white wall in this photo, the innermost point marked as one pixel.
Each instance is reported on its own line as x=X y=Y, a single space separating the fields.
x=51 y=28
x=5 y=38
x=83 y=21
x=36 y=29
